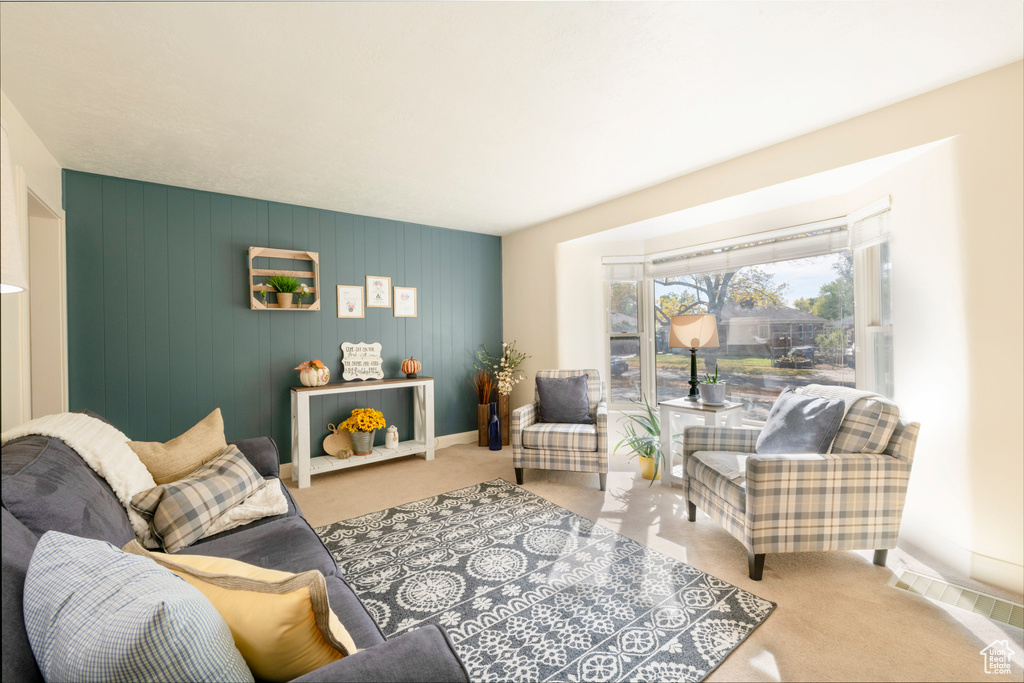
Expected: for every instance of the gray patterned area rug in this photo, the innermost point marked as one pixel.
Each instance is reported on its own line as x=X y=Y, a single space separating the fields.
x=529 y=591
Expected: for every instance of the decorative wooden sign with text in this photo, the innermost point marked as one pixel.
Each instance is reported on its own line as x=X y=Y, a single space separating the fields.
x=361 y=361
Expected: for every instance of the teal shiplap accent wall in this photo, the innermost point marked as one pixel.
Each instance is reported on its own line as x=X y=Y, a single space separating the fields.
x=160 y=331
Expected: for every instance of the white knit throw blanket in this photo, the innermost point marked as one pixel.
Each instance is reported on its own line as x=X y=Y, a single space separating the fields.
x=105 y=449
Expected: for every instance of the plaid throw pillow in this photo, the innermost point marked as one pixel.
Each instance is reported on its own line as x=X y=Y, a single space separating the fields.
x=94 y=613
x=867 y=427
x=179 y=513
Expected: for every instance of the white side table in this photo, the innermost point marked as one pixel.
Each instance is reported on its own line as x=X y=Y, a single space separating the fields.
x=678 y=413
x=304 y=465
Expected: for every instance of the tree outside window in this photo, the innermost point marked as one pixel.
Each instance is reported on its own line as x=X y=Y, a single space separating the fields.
x=624 y=342
x=780 y=324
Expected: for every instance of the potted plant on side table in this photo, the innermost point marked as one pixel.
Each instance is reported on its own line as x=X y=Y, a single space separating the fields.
x=712 y=389
x=643 y=436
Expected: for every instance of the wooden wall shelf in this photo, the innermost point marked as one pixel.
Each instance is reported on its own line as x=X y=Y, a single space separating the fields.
x=256 y=302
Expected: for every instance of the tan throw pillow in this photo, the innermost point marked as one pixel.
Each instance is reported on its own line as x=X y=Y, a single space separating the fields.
x=182 y=455
x=282 y=623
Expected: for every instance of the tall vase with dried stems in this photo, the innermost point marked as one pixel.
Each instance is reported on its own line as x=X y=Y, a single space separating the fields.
x=484 y=384
x=505 y=369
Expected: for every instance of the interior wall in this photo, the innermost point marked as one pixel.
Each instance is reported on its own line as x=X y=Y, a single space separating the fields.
x=985 y=176
x=47 y=311
x=581 y=306
x=797 y=214
x=35 y=170
x=944 y=292
x=161 y=331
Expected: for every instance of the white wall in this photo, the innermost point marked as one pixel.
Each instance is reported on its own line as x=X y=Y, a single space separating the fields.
x=37 y=171
x=580 y=320
x=959 y=216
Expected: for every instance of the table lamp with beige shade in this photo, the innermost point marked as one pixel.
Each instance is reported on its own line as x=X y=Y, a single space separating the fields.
x=693 y=332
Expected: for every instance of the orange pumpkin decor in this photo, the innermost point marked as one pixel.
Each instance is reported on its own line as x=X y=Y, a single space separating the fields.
x=410 y=366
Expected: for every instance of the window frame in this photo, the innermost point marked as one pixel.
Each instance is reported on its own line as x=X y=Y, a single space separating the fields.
x=639 y=335
x=867 y=301
x=868 y=323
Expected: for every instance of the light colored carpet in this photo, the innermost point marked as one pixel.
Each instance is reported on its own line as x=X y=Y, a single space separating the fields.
x=836 y=620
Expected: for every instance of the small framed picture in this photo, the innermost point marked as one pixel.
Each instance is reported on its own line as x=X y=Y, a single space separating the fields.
x=378 y=291
x=350 y=301
x=405 y=302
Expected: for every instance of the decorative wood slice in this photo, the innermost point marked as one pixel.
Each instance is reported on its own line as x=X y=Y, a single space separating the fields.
x=339 y=443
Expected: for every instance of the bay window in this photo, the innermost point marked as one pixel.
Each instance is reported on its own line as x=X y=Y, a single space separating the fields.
x=805 y=305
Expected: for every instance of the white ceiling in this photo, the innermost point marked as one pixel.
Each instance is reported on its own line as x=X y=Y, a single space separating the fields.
x=488 y=117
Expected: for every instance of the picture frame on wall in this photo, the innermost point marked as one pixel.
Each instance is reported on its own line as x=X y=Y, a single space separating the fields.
x=405 y=302
x=378 y=291
x=350 y=301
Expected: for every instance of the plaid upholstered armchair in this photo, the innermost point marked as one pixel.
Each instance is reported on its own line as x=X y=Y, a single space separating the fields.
x=848 y=499
x=554 y=446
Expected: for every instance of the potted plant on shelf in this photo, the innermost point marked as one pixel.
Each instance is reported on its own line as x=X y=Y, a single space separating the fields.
x=712 y=389
x=313 y=373
x=643 y=436
x=363 y=424
x=285 y=287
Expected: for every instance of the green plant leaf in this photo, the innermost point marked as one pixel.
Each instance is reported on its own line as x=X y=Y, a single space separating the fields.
x=283 y=283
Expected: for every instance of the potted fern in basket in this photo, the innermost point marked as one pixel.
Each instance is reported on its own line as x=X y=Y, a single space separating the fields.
x=643 y=436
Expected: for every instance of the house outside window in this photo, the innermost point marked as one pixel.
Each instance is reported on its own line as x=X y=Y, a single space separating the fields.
x=779 y=324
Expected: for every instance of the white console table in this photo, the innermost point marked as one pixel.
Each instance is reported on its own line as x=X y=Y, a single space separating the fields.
x=677 y=413
x=303 y=465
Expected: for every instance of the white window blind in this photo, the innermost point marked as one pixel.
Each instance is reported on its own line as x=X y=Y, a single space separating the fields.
x=870 y=225
x=814 y=239
x=623 y=272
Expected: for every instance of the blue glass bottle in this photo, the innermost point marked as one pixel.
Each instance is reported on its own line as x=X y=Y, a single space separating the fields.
x=494 y=429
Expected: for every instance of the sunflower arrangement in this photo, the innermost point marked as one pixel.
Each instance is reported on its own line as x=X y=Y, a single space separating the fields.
x=364 y=420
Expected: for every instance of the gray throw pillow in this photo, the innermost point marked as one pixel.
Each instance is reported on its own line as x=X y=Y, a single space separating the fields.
x=800 y=424
x=564 y=400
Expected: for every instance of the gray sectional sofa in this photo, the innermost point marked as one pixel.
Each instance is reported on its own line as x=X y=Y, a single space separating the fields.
x=47 y=486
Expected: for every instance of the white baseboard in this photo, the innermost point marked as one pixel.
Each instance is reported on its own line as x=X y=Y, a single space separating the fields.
x=439 y=442
x=996 y=572
x=454 y=439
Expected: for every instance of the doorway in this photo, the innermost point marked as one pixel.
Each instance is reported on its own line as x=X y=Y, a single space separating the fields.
x=47 y=310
